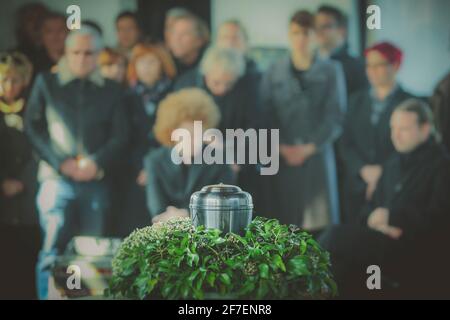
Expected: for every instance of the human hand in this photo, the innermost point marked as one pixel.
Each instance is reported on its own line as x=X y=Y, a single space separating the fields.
x=12 y=187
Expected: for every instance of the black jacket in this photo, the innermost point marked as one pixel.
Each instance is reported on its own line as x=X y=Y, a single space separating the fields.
x=363 y=143
x=76 y=117
x=169 y=184
x=17 y=162
x=415 y=188
x=354 y=70
x=238 y=107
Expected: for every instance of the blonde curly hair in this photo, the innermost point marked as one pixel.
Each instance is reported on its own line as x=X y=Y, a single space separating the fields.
x=190 y=104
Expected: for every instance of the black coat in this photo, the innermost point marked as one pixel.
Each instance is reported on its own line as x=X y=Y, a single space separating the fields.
x=130 y=208
x=362 y=144
x=17 y=162
x=238 y=107
x=169 y=184
x=354 y=70
x=68 y=118
x=414 y=188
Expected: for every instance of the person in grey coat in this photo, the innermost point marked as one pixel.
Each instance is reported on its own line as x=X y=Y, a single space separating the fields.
x=305 y=99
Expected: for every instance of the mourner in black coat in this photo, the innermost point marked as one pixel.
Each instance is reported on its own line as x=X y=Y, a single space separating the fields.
x=404 y=228
x=365 y=143
x=19 y=228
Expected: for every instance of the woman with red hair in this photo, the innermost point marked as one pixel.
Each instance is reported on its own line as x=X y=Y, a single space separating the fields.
x=366 y=142
x=150 y=75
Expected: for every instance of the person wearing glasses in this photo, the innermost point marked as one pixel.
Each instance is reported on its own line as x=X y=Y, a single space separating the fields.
x=304 y=97
x=331 y=29
x=77 y=126
x=365 y=143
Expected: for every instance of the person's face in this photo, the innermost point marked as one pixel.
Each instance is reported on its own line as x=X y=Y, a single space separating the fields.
x=406 y=133
x=54 y=32
x=82 y=56
x=219 y=82
x=328 y=33
x=11 y=86
x=301 y=39
x=230 y=36
x=127 y=32
x=379 y=71
x=115 y=71
x=148 y=69
x=184 y=40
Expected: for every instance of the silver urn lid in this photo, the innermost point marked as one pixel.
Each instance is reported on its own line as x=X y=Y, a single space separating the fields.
x=221 y=197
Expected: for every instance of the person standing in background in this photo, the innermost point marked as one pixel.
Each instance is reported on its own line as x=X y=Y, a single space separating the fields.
x=76 y=124
x=28 y=19
x=331 y=27
x=231 y=34
x=304 y=97
x=150 y=76
x=188 y=37
x=128 y=32
x=171 y=16
x=53 y=32
x=365 y=143
x=19 y=235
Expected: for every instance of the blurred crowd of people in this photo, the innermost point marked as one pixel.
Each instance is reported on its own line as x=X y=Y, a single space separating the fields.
x=85 y=138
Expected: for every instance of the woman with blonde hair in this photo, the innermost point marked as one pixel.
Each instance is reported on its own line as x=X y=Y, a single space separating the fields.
x=170 y=185
x=18 y=223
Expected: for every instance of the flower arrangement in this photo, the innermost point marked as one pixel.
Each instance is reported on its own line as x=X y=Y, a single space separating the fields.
x=175 y=260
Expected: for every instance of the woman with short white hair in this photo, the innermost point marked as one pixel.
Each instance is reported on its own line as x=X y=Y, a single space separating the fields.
x=219 y=73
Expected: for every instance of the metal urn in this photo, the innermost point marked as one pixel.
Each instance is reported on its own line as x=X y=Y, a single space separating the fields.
x=223 y=207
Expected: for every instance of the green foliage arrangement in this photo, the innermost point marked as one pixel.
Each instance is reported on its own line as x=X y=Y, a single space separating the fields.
x=175 y=260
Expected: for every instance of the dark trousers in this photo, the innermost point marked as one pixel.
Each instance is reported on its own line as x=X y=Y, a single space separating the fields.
x=410 y=269
x=67 y=209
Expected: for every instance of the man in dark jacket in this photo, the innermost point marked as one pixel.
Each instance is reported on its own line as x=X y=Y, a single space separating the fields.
x=405 y=227
x=331 y=27
x=365 y=143
x=187 y=39
x=76 y=124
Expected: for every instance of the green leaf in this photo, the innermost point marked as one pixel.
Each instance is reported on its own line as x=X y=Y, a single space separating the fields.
x=264 y=270
x=211 y=278
x=298 y=266
x=278 y=261
x=225 y=279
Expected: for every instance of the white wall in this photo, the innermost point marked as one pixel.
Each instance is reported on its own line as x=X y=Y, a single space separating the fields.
x=422 y=29
x=267 y=20
x=102 y=11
